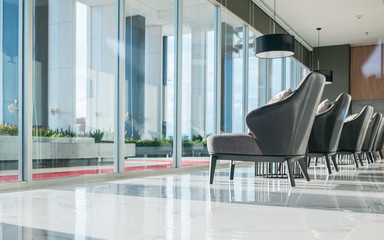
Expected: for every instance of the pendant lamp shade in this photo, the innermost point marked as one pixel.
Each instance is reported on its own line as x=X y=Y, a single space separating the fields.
x=275 y=46
x=328 y=75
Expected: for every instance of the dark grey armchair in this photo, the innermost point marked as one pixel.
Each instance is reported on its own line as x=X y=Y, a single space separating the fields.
x=326 y=131
x=279 y=131
x=353 y=134
x=369 y=140
x=379 y=140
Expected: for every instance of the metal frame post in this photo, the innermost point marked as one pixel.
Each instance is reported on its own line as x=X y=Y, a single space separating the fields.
x=119 y=86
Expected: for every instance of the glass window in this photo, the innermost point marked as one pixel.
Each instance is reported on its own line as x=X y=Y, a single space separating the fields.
x=73 y=88
x=291 y=79
x=9 y=90
x=149 y=83
x=197 y=80
x=232 y=119
x=257 y=76
x=276 y=77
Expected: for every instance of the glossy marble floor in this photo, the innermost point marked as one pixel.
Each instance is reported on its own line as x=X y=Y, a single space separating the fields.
x=345 y=205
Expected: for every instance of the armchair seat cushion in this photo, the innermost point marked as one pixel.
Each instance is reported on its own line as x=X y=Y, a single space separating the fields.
x=233 y=143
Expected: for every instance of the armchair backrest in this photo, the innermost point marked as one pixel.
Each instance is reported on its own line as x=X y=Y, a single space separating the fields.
x=353 y=133
x=379 y=137
x=373 y=128
x=283 y=128
x=326 y=130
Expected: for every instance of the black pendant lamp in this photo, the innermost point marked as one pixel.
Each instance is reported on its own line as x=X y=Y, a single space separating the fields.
x=275 y=45
x=327 y=73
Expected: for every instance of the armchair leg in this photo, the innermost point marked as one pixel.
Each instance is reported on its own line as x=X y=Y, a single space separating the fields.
x=231 y=170
x=369 y=157
x=381 y=154
x=333 y=157
x=212 y=167
x=328 y=164
x=355 y=159
x=373 y=159
x=304 y=168
x=308 y=161
x=256 y=169
x=291 y=178
x=360 y=159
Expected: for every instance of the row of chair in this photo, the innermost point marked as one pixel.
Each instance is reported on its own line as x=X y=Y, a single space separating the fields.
x=293 y=128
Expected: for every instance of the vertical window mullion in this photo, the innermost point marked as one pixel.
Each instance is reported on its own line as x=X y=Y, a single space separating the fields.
x=25 y=89
x=177 y=85
x=119 y=86
x=245 y=74
x=217 y=71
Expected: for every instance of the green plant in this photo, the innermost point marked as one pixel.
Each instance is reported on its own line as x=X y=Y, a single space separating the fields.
x=41 y=132
x=97 y=135
x=63 y=133
x=10 y=130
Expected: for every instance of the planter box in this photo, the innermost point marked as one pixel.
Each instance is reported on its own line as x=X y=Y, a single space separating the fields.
x=62 y=148
x=163 y=151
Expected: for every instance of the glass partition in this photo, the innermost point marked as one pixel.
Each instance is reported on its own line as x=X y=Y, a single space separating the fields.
x=231 y=75
x=73 y=88
x=290 y=73
x=257 y=77
x=197 y=80
x=275 y=84
x=9 y=90
x=149 y=83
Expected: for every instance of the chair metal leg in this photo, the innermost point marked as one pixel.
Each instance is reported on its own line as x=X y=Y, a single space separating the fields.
x=317 y=159
x=291 y=178
x=304 y=168
x=355 y=159
x=333 y=157
x=360 y=159
x=231 y=170
x=373 y=157
x=212 y=167
x=370 y=157
x=308 y=161
x=256 y=169
x=328 y=164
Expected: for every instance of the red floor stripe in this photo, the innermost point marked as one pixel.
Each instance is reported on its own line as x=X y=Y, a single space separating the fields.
x=10 y=178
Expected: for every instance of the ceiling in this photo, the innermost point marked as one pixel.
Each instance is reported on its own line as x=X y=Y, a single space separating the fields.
x=337 y=18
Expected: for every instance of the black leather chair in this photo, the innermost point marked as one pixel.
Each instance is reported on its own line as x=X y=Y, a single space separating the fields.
x=353 y=134
x=326 y=131
x=379 y=140
x=279 y=131
x=370 y=136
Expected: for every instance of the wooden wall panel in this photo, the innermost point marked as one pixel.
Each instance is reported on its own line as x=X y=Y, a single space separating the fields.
x=367 y=78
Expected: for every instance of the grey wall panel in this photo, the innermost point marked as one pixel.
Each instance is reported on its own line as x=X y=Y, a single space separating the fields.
x=261 y=21
x=241 y=8
x=377 y=104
